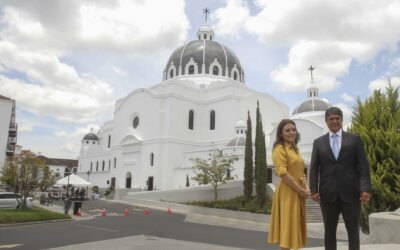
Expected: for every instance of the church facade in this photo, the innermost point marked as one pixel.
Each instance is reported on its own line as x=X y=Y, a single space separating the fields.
x=199 y=107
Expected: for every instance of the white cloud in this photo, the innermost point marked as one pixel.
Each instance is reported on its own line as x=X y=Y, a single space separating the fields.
x=347 y=98
x=230 y=19
x=119 y=26
x=25 y=127
x=70 y=148
x=43 y=48
x=79 y=132
x=326 y=34
x=381 y=83
x=119 y=71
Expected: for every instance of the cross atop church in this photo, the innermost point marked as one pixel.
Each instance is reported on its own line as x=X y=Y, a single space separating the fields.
x=206 y=11
x=311 y=70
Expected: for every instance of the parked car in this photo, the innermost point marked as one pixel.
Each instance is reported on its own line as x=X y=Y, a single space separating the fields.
x=13 y=200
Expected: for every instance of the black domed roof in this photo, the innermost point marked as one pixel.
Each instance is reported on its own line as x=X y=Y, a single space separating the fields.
x=204 y=53
x=313 y=104
x=237 y=141
x=91 y=137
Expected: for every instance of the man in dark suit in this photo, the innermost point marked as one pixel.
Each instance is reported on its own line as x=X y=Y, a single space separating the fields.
x=339 y=179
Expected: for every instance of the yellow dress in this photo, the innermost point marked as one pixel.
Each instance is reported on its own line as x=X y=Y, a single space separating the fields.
x=288 y=216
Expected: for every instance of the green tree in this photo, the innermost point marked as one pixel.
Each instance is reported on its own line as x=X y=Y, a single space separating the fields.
x=214 y=171
x=9 y=175
x=25 y=177
x=48 y=179
x=248 y=162
x=260 y=160
x=377 y=122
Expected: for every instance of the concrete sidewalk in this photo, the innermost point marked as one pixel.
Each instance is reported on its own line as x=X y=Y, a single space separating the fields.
x=314 y=230
x=60 y=209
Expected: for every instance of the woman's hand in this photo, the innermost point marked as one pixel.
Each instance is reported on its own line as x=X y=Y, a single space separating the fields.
x=304 y=193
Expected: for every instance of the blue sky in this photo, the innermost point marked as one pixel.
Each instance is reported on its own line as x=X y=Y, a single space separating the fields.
x=67 y=62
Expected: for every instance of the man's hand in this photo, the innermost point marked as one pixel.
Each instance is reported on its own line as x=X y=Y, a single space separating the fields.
x=364 y=197
x=315 y=197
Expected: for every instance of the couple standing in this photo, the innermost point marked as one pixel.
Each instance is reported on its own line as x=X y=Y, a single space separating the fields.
x=339 y=181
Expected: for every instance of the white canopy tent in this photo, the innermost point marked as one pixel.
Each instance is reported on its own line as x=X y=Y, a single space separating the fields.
x=74 y=180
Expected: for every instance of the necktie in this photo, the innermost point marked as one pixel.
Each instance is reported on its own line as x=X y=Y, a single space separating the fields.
x=335 y=146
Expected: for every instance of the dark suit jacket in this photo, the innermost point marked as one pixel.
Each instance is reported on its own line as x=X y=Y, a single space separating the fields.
x=345 y=177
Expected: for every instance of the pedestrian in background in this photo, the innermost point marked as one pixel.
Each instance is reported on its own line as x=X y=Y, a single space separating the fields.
x=67 y=204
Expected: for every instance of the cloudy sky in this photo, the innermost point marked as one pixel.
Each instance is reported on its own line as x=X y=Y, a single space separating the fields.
x=67 y=62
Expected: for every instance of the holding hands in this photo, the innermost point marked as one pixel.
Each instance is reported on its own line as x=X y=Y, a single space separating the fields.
x=304 y=193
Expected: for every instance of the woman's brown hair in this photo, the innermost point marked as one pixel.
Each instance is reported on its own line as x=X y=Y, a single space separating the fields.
x=279 y=139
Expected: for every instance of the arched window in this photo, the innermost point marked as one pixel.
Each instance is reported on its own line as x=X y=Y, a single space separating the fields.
x=109 y=141
x=215 y=70
x=191 y=119
x=235 y=75
x=91 y=166
x=199 y=37
x=109 y=165
x=152 y=159
x=205 y=36
x=171 y=73
x=136 y=122
x=191 y=69
x=210 y=37
x=97 y=166
x=212 y=120
x=115 y=162
x=103 y=165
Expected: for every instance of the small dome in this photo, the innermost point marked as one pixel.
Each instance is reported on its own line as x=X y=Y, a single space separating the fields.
x=91 y=137
x=313 y=104
x=237 y=141
x=241 y=123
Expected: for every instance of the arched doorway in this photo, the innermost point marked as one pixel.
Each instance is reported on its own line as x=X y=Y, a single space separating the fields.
x=128 y=182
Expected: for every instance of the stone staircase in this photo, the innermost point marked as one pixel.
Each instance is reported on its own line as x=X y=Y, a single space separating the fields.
x=314 y=213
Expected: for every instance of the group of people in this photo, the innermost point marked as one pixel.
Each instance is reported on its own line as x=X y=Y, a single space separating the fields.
x=339 y=180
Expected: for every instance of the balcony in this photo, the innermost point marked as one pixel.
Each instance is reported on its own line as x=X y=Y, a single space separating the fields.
x=10 y=151
x=12 y=140
x=12 y=131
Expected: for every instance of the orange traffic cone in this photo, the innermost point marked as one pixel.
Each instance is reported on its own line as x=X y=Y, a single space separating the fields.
x=79 y=212
x=126 y=212
x=103 y=212
x=146 y=211
x=169 y=211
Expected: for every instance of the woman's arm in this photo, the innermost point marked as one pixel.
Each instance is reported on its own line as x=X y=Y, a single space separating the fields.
x=303 y=192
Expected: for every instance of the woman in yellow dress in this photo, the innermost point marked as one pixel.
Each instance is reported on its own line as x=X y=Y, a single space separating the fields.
x=288 y=217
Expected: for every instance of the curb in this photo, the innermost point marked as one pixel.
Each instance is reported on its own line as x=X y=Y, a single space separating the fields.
x=34 y=222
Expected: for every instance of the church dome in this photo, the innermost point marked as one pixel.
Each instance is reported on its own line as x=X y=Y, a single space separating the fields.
x=204 y=56
x=237 y=141
x=91 y=137
x=313 y=104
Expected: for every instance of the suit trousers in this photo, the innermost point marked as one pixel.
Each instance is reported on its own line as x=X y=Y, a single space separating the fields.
x=351 y=216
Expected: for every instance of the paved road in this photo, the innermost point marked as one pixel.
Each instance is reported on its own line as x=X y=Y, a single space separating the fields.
x=156 y=229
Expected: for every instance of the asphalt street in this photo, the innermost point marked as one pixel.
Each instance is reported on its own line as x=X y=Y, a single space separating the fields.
x=137 y=227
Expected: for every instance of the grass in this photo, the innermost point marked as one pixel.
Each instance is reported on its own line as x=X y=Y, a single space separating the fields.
x=237 y=204
x=9 y=216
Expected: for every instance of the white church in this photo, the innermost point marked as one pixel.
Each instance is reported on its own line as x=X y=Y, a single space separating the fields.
x=198 y=108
